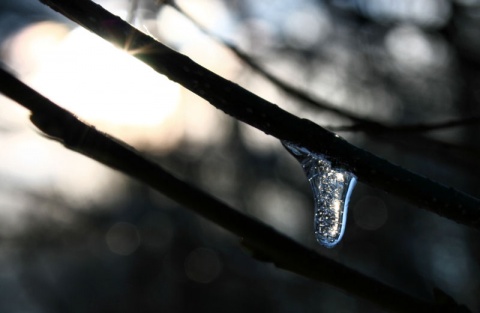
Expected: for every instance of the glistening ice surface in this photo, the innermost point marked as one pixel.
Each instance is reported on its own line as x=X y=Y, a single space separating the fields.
x=331 y=188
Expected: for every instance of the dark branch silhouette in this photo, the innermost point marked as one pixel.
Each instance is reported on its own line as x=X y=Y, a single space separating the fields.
x=400 y=135
x=269 y=118
x=415 y=128
x=265 y=243
x=363 y=124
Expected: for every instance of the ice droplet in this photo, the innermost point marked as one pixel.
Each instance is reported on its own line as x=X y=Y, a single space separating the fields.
x=331 y=188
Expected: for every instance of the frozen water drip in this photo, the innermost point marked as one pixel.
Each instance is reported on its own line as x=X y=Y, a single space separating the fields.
x=332 y=188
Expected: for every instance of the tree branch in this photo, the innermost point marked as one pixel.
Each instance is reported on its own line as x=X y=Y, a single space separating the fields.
x=362 y=123
x=414 y=128
x=266 y=243
x=263 y=115
x=398 y=134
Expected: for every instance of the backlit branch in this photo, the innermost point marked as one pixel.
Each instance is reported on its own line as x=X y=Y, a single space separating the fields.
x=362 y=123
x=269 y=118
x=265 y=243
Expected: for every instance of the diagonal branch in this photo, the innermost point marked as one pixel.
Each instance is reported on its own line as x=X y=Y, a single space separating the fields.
x=415 y=128
x=289 y=89
x=264 y=241
x=269 y=118
x=399 y=134
x=362 y=123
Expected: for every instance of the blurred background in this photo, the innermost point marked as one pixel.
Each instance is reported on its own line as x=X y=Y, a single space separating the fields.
x=76 y=236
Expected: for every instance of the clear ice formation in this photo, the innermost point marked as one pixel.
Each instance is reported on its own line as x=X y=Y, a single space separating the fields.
x=332 y=188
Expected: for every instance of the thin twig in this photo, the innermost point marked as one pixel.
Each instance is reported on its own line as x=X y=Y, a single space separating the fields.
x=244 y=57
x=362 y=123
x=398 y=134
x=269 y=118
x=415 y=128
x=266 y=243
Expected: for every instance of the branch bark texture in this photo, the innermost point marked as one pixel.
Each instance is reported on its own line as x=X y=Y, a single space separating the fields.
x=265 y=243
x=259 y=113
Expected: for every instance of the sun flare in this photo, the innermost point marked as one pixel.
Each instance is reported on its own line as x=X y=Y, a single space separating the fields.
x=101 y=84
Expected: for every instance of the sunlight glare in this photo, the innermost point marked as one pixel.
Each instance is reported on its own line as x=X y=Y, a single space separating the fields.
x=101 y=83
